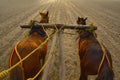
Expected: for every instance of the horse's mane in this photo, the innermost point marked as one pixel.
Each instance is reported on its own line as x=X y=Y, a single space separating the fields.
x=88 y=34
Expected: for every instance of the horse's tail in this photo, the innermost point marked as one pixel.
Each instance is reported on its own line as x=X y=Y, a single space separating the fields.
x=106 y=72
x=16 y=74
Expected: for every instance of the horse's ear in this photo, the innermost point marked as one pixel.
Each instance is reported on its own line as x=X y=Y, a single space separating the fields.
x=78 y=17
x=47 y=13
x=40 y=13
x=85 y=18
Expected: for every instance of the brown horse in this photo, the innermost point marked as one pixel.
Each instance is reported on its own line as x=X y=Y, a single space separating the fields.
x=95 y=59
x=29 y=67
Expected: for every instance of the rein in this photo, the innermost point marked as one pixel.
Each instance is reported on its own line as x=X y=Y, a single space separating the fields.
x=16 y=54
x=103 y=58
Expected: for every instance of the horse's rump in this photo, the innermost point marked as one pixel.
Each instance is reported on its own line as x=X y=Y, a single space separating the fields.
x=32 y=64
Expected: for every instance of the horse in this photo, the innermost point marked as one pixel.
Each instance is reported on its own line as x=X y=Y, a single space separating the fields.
x=29 y=67
x=95 y=59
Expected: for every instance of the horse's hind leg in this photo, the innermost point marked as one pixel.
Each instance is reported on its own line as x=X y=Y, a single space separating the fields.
x=16 y=74
x=83 y=77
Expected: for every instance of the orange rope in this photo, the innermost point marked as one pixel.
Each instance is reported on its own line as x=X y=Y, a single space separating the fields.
x=11 y=56
x=104 y=53
x=108 y=61
x=17 y=53
x=104 y=56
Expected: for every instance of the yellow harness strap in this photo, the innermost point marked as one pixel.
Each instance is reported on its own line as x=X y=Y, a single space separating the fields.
x=103 y=57
x=17 y=53
x=104 y=53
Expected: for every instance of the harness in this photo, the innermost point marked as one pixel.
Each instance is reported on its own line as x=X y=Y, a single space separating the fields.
x=39 y=31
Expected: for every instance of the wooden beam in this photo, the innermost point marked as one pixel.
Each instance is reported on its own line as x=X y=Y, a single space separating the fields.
x=69 y=26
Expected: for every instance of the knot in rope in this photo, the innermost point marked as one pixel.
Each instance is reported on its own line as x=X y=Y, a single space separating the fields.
x=3 y=73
